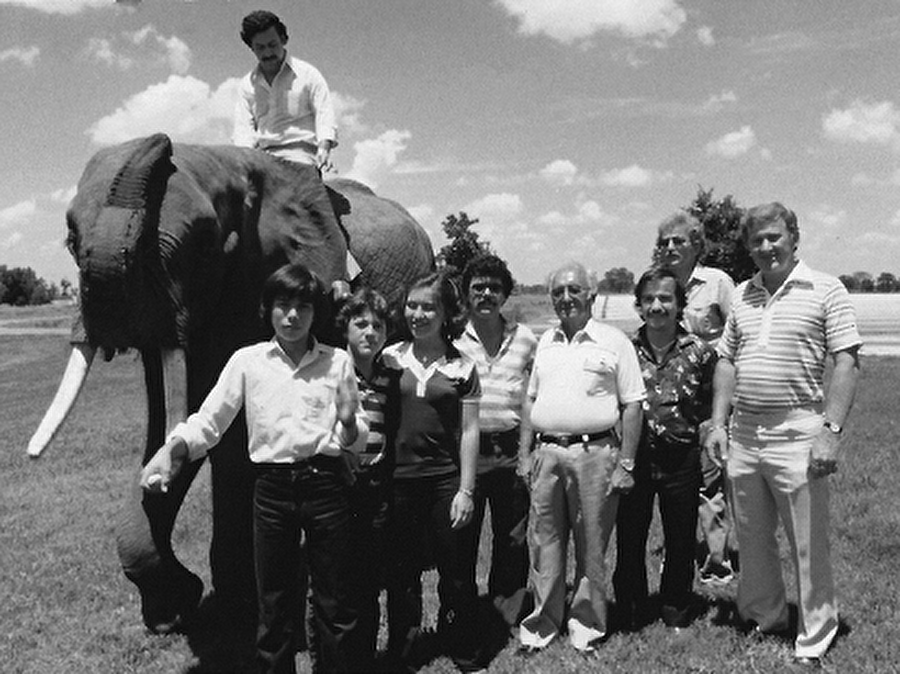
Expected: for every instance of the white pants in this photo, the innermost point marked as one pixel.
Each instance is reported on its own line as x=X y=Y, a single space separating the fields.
x=768 y=468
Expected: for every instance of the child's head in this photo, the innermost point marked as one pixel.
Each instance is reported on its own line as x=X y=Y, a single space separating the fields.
x=363 y=320
x=293 y=283
x=432 y=303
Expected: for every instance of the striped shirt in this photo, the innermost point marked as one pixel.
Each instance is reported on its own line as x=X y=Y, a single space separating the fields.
x=503 y=376
x=779 y=343
x=380 y=398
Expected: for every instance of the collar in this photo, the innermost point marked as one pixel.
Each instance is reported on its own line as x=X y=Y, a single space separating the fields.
x=639 y=338
x=312 y=353
x=586 y=334
x=509 y=327
x=257 y=74
x=801 y=275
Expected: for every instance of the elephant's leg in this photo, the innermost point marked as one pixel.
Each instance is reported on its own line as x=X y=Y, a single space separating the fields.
x=231 y=551
x=169 y=592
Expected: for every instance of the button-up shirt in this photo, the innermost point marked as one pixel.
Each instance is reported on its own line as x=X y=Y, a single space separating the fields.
x=679 y=389
x=709 y=292
x=503 y=376
x=290 y=408
x=778 y=342
x=288 y=117
x=578 y=385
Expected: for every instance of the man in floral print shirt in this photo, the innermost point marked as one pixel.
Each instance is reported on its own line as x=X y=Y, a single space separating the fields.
x=677 y=368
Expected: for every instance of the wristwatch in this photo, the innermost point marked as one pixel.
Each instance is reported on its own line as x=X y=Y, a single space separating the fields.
x=833 y=427
x=627 y=465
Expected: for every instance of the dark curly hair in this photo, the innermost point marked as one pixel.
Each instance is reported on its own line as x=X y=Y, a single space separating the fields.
x=658 y=273
x=490 y=266
x=363 y=300
x=259 y=22
x=447 y=293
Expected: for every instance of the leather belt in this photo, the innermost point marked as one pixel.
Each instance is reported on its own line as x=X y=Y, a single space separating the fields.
x=574 y=438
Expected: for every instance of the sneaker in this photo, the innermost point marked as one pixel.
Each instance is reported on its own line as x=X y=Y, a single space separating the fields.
x=716 y=573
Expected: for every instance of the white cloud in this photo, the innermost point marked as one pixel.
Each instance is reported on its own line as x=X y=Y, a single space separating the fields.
x=573 y=20
x=146 y=43
x=184 y=107
x=376 y=156
x=18 y=214
x=495 y=208
x=24 y=55
x=347 y=109
x=102 y=50
x=171 y=49
x=12 y=241
x=717 y=102
x=63 y=196
x=864 y=123
x=705 y=36
x=59 y=6
x=631 y=176
x=733 y=144
x=559 y=172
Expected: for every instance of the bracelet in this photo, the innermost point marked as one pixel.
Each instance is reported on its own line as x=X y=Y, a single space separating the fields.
x=468 y=492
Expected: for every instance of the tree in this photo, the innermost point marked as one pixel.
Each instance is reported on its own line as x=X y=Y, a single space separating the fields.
x=849 y=282
x=864 y=281
x=617 y=280
x=721 y=220
x=22 y=286
x=464 y=244
x=886 y=283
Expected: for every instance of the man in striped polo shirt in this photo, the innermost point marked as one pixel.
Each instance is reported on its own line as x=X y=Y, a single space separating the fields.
x=785 y=428
x=503 y=352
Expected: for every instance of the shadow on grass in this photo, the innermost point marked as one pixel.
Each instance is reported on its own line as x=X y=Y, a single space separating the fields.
x=222 y=636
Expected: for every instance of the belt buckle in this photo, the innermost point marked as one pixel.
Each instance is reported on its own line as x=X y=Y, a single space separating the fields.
x=564 y=440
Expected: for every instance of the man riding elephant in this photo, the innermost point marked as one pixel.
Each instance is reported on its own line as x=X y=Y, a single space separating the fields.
x=173 y=243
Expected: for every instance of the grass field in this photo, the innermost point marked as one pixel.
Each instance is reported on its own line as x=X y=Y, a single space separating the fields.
x=66 y=607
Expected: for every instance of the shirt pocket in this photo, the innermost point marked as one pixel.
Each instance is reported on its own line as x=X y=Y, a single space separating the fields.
x=317 y=402
x=598 y=372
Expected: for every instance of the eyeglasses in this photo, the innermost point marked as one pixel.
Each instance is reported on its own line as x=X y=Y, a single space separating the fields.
x=559 y=291
x=677 y=241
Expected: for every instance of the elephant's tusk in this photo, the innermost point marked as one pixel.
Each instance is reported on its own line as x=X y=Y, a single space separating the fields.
x=175 y=386
x=73 y=379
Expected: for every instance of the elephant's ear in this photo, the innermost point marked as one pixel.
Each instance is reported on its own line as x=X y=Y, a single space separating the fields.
x=141 y=181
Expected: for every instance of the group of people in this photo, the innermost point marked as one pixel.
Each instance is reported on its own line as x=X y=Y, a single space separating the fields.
x=379 y=460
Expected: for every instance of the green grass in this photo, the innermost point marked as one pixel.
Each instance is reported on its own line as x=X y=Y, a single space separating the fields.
x=66 y=607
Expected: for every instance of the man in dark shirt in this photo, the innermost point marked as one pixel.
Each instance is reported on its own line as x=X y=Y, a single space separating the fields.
x=677 y=368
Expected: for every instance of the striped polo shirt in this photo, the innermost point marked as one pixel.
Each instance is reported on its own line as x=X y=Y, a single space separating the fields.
x=503 y=377
x=779 y=343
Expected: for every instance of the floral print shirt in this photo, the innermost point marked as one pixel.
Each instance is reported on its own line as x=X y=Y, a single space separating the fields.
x=679 y=389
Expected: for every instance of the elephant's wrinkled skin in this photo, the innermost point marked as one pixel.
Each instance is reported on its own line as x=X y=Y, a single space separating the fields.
x=173 y=243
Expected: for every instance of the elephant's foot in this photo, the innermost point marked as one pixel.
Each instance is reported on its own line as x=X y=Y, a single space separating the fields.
x=168 y=606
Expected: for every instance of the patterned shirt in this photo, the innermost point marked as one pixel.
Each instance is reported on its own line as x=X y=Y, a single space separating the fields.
x=778 y=343
x=431 y=400
x=679 y=389
x=288 y=117
x=503 y=376
x=290 y=409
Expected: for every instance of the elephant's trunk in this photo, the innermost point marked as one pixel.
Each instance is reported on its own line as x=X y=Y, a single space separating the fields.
x=73 y=379
x=123 y=297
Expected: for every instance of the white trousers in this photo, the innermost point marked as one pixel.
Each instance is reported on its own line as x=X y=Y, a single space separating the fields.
x=768 y=468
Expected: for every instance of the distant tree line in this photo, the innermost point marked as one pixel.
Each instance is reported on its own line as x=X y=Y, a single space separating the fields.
x=725 y=249
x=21 y=286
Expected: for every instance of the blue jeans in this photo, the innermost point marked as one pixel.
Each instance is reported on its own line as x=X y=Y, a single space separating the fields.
x=311 y=496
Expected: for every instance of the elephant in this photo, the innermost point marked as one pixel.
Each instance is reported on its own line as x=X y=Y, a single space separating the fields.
x=173 y=243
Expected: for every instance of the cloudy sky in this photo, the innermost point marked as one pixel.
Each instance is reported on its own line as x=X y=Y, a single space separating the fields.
x=568 y=127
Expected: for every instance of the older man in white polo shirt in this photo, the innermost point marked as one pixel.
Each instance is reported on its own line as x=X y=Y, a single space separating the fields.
x=785 y=428
x=584 y=373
